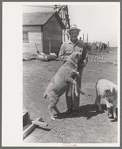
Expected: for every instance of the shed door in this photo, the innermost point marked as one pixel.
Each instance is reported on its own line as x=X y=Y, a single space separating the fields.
x=36 y=38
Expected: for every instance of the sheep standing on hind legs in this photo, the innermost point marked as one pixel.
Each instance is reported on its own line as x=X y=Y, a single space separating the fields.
x=107 y=91
x=59 y=84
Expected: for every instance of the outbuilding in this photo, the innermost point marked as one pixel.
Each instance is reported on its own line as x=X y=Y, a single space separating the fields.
x=43 y=29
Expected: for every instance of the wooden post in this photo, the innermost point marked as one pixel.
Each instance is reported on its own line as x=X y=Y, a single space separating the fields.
x=63 y=35
x=42 y=42
x=103 y=46
x=87 y=38
x=108 y=44
x=49 y=47
x=27 y=131
x=98 y=47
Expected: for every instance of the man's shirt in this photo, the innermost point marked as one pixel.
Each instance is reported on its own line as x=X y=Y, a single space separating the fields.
x=68 y=47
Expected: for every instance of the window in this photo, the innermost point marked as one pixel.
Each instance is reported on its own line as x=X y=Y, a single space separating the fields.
x=25 y=36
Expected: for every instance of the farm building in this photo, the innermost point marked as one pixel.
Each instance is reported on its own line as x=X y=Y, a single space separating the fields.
x=44 y=29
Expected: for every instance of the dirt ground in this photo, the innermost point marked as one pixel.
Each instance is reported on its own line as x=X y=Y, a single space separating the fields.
x=86 y=127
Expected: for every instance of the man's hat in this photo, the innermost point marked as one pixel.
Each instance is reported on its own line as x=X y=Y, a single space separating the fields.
x=74 y=27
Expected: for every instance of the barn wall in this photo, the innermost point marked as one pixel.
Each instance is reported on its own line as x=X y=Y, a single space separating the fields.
x=52 y=36
x=33 y=28
x=35 y=35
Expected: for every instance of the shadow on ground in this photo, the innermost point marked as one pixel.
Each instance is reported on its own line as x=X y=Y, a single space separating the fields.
x=87 y=111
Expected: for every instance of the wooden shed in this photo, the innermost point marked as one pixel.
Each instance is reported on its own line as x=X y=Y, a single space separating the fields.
x=44 y=29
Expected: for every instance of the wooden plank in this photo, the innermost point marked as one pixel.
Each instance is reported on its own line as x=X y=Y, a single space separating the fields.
x=32 y=28
x=27 y=131
x=40 y=124
x=26 y=118
x=26 y=126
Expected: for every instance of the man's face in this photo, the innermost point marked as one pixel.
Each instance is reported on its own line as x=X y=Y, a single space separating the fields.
x=74 y=34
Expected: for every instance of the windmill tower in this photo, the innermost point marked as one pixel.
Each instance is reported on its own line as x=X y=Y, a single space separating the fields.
x=63 y=13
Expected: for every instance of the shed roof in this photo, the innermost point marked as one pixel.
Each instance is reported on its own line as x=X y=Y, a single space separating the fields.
x=40 y=18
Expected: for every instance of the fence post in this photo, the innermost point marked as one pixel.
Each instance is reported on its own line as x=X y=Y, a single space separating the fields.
x=108 y=44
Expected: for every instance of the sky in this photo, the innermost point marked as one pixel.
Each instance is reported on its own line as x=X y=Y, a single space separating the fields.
x=99 y=20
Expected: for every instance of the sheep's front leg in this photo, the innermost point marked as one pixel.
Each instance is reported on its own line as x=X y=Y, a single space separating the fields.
x=98 y=101
x=73 y=82
x=108 y=106
x=73 y=75
x=56 y=109
x=114 y=108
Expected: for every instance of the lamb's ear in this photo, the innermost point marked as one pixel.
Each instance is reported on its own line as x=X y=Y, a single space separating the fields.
x=113 y=91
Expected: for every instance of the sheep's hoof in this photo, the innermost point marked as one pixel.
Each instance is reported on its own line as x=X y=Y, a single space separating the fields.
x=111 y=117
x=115 y=118
x=52 y=118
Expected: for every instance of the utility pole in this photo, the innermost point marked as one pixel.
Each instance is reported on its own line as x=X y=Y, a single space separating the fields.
x=87 y=38
x=83 y=38
x=108 y=44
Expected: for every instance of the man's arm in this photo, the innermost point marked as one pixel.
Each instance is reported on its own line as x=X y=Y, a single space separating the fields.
x=62 y=52
x=84 y=53
x=73 y=82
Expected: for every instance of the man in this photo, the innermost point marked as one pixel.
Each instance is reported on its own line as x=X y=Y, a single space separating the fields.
x=66 y=49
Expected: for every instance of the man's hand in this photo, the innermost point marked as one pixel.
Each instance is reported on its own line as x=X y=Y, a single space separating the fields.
x=62 y=58
x=86 y=60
